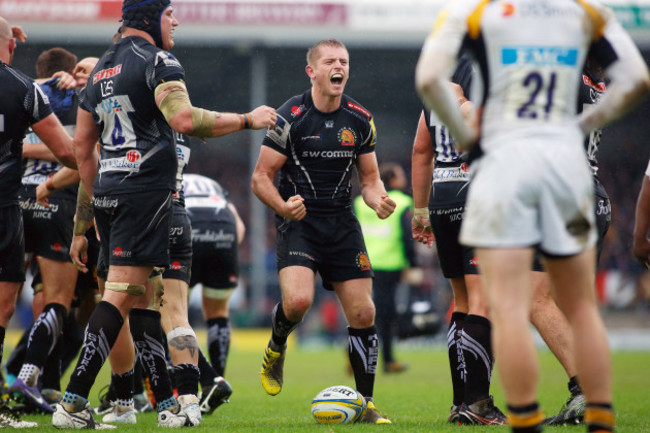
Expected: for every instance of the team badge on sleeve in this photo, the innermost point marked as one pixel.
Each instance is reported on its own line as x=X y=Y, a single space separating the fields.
x=280 y=132
x=373 y=132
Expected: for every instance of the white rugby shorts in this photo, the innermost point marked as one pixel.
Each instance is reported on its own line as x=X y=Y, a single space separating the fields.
x=534 y=192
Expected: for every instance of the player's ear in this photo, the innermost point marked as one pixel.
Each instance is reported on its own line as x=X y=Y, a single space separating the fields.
x=310 y=71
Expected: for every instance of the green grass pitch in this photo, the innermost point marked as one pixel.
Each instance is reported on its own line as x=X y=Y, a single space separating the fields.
x=416 y=401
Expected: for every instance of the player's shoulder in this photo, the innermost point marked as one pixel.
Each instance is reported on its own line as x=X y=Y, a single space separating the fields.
x=296 y=107
x=14 y=80
x=355 y=108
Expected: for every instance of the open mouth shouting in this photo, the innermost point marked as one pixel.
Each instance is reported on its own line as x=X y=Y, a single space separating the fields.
x=336 y=79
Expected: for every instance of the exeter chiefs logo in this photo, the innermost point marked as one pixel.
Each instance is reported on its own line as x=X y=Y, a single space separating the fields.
x=346 y=137
x=363 y=262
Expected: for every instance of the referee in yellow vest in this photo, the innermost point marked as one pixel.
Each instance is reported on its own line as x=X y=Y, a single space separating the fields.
x=391 y=251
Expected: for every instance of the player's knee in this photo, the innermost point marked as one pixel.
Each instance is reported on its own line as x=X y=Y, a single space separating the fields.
x=363 y=317
x=297 y=307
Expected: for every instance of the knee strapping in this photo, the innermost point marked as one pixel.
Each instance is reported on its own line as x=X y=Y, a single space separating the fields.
x=180 y=331
x=131 y=289
x=217 y=294
x=158 y=289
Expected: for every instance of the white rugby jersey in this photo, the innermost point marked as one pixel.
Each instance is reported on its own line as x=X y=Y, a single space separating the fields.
x=529 y=53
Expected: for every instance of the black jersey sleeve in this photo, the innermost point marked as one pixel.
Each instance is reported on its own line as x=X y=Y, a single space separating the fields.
x=463 y=75
x=166 y=68
x=37 y=104
x=369 y=144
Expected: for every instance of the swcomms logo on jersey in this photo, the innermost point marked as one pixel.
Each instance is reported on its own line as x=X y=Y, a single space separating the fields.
x=280 y=132
x=107 y=73
x=539 y=56
x=327 y=154
x=167 y=58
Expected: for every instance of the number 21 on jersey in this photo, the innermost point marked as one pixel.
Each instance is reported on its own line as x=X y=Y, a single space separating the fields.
x=536 y=94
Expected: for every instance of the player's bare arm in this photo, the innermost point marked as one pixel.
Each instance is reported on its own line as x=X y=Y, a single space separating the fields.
x=372 y=188
x=51 y=132
x=38 y=151
x=422 y=164
x=174 y=102
x=268 y=164
x=82 y=221
x=241 y=227
x=85 y=139
x=61 y=179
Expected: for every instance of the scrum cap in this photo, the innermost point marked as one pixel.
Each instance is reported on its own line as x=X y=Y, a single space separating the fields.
x=145 y=15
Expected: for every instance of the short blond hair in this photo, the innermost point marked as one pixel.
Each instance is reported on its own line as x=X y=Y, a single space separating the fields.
x=312 y=53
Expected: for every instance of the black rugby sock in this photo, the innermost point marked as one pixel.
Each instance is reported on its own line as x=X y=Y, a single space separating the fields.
x=477 y=354
x=455 y=353
x=147 y=334
x=52 y=371
x=122 y=385
x=208 y=375
x=44 y=336
x=138 y=380
x=281 y=326
x=103 y=328
x=186 y=377
x=363 y=352
x=218 y=343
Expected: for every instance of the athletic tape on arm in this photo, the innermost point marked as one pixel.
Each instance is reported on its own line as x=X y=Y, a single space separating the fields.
x=177 y=99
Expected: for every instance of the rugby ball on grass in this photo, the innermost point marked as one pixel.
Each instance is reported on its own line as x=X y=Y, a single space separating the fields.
x=338 y=405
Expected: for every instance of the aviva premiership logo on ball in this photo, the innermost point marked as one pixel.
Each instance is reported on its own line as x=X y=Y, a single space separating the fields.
x=338 y=405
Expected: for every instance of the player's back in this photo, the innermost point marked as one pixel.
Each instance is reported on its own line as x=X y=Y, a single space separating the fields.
x=532 y=51
x=22 y=103
x=137 y=144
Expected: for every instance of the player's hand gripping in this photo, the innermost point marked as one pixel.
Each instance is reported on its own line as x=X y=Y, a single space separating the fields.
x=79 y=252
x=42 y=195
x=66 y=80
x=263 y=117
x=294 y=208
x=385 y=207
x=421 y=227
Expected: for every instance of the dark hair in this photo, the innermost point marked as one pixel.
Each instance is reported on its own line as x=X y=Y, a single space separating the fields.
x=388 y=171
x=55 y=60
x=313 y=51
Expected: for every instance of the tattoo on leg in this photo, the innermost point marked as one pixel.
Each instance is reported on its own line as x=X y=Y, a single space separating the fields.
x=185 y=342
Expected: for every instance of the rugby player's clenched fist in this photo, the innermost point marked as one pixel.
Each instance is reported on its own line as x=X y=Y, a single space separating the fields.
x=295 y=209
x=385 y=207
